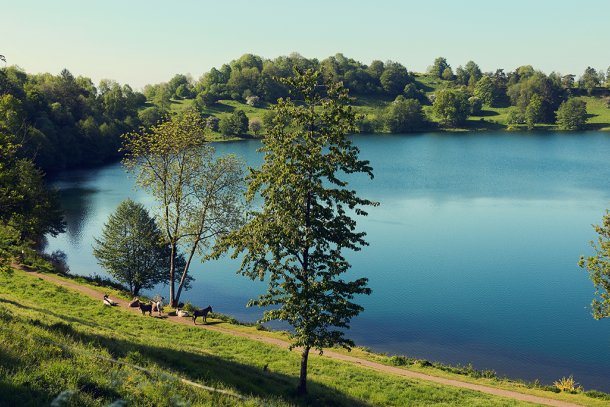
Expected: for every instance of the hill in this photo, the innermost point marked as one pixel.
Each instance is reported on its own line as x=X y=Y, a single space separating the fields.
x=56 y=342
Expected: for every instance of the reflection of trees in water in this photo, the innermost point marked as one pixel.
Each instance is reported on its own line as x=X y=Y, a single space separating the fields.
x=76 y=204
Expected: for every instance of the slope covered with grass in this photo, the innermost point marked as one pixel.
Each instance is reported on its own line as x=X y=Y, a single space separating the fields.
x=53 y=340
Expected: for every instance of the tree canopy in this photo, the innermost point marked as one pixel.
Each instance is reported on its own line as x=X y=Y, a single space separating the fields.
x=132 y=248
x=598 y=267
x=297 y=239
x=198 y=195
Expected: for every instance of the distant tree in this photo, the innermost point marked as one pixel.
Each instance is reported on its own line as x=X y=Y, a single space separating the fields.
x=198 y=196
x=589 y=80
x=405 y=115
x=572 y=115
x=206 y=99
x=297 y=238
x=474 y=72
x=211 y=123
x=567 y=81
x=175 y=83
x=411 y=91
x=533 y=112
x=394 y=78
x=486 y=91
x=150 y=116
x=451 y=107
x=255 y=126
x=447 y=74
x=131 y=248
x=476 y=105
x=438 y=67
x=515 y=117
x=184 y=91
x=598 y=266
x=234 y=124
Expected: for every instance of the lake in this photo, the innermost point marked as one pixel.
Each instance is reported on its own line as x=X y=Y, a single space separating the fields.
x=473 y=251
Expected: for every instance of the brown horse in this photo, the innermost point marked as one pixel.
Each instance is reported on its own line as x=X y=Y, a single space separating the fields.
x=202 y=313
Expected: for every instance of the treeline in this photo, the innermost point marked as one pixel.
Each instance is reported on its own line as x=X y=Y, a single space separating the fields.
x=62 y=121
x=534 y=96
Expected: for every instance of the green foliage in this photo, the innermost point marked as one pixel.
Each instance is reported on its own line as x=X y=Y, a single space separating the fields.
x=438 y=68
x=589 y=80
x=405 y=115
x=394 y=78
x=235 y=124
x=572 y=115
x=131 y=248
x=65 y=122
x=598 y=266
x=533 y=112
x=451 y=107
x=198 y=196
x=298 y=236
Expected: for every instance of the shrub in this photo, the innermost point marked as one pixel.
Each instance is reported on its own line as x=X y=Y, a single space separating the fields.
x=567 y=384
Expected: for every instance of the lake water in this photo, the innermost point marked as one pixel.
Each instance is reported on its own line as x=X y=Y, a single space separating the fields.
x=473 y=251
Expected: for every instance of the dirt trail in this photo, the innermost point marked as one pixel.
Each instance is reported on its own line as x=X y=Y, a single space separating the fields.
x=95 y=294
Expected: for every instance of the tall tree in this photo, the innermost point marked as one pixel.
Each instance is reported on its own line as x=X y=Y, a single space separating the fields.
x=298 y=237
x=451 y=107
x=405 y=115
x=598 y=266
x=572 y=115
x=132 y=249
x=198 y=195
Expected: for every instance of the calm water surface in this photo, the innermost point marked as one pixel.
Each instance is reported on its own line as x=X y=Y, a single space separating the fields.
x=472 y=255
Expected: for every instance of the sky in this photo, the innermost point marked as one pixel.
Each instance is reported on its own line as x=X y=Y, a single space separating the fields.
x=149 y=41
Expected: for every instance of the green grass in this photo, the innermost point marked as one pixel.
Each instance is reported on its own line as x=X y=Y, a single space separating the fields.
x=491 y=118
x=51 y=340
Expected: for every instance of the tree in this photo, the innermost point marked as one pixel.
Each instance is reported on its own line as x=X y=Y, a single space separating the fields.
x=451 y=107
x=572 y=115
x=198 y=196
x=438 y=67
x=598 y=266
x=533 y=112
x=255 y=126
x=405 y=115
x=298 y=237
x=234 y=124
x=486 y=90
x=394 y=78
x=589 y=80
x=132 y=249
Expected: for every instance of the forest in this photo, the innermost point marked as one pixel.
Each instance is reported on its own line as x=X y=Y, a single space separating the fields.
x=62 y=121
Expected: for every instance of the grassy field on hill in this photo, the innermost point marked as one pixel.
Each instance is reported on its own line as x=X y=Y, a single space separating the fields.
x=491 y=118
x=54 y=340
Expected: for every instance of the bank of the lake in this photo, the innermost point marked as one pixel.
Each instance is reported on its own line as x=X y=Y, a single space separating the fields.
x=473 y=249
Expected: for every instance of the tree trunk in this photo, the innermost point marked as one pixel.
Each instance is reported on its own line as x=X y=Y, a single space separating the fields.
x=302 y=388
x=172 y=268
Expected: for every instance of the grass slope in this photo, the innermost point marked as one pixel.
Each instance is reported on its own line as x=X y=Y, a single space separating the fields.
x=53 y=340
x=491 y=118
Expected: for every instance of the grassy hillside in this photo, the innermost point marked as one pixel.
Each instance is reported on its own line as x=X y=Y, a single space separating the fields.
x=491 y=118
x=53 y=340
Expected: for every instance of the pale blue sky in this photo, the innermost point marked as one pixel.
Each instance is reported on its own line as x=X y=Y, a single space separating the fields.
x=146 y=41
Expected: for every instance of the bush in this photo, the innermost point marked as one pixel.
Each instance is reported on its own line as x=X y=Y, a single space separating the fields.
x=572 y=115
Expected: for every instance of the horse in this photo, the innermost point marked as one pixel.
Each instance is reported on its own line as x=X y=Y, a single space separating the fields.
x=157 y=306
x=135 y=303
x=202 y=313
x=145 y=308
x=108 y=301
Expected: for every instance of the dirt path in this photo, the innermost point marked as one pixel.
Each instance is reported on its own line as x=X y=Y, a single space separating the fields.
x=95 y=294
